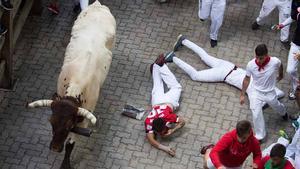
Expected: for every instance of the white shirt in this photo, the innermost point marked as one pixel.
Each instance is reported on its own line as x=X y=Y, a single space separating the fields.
x=265 y=79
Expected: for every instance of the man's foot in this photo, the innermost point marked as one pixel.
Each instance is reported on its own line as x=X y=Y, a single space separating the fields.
x=295 y=124
x=286 y=44
x=169 y=57
x=266 y=106
x=285 y=117
x=205 y=148
x=77 y=8
x=293 y=117
x=283 y=134
x=6 y=5
x=53 y=8
x=202 y=20
x=3 y=29
x=292 y=96
x=178 y=42
x=160 y=60
x=255 y=26
x=213 y=43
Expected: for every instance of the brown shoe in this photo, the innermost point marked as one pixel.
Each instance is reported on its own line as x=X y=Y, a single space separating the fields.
x=205 y=148
x=160 y=60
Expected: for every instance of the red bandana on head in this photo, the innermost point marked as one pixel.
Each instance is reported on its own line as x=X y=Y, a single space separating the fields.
x=261 y=66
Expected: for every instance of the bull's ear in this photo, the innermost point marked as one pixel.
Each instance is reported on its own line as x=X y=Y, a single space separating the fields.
x=56 y=97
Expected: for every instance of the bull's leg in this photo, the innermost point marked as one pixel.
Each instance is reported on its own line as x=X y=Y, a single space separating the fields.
x=66 y=162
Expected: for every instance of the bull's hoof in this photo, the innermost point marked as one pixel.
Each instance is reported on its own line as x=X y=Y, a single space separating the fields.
x=66 y=165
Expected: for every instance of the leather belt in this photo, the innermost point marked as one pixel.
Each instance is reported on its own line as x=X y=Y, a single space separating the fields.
x=235 y=67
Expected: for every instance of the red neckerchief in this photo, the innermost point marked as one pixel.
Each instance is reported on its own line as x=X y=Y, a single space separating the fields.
x=261 y=66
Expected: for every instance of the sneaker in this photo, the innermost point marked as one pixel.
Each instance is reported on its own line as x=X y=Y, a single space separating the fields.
x=255 y=26
x=292 y=96
x=53 y=8
x=293 y=117
x=169 y=57
x=213 y=43
x=295 y=124
x=205 y=148
x=77 y=8
x=283 y=134
x=178 y=42
x=160 y=60
x=6 y=5
x=285 y=117
x=3 y=29
x=286 y=44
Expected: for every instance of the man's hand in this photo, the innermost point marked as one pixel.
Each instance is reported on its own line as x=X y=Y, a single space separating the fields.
x=297 y=56
x=167 y=149
x=242 y=99
x=170 y=131
x=222 y=167
x=254 y=166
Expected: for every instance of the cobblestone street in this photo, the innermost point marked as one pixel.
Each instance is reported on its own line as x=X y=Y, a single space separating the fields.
x=145 y=28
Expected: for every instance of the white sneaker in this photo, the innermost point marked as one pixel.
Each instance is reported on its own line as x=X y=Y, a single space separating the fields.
x=292 y=96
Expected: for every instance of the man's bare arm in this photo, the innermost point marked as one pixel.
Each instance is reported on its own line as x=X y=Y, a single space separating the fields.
x=179 y=125
x=246 y=82
x=156 y=144
x=280 y=73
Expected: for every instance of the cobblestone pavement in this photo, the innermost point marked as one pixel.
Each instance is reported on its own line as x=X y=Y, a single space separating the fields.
x=145 y=28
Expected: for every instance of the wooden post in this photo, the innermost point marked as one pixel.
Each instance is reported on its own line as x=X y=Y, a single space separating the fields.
x=7 y=50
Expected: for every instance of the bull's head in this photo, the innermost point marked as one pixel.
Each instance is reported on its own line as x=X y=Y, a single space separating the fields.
x=66 y=113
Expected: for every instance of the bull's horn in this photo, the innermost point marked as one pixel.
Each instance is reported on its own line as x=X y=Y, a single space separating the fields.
x=40 y=103
x=85 y=113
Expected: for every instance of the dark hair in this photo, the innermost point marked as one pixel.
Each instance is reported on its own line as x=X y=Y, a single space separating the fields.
x=158 y=124
x=261 y=50
x=243 y=127
x=278 y=151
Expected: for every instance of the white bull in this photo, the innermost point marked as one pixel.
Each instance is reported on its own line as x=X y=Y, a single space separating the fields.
x=86 y=64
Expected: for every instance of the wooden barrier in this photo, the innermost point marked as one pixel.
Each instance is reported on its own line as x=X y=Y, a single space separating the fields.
x=13 y=20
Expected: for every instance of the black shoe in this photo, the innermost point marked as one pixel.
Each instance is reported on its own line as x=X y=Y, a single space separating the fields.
x=3 y=29
x=169 y=57
x=178 y=42
x=293 y=117
x=255 y=26
x=202 y=20
x=77 y=8
x=286 y=44
x=213 y=43
x=6 y=5
x=285 y=117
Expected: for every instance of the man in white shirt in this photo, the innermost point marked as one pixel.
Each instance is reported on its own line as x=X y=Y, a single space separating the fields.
x=263 y=69
x=215 y=9
x=219 y=71
x=284 y=7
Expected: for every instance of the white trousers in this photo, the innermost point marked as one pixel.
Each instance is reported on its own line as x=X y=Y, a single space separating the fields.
x=83 y=3
x=284 y=7
x=292 y=66
x=293 y=150
x=257 y=100
x=215 y=9
x=210 y=165
x=161 y=75
x=218 y=71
